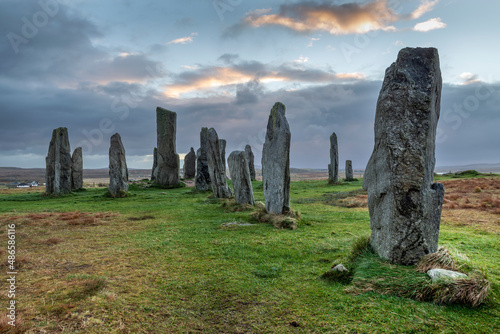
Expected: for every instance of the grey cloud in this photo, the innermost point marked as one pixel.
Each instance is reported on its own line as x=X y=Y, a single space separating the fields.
x=248 y=92
x=228 y=58
x=29 y=115
x=62 y=49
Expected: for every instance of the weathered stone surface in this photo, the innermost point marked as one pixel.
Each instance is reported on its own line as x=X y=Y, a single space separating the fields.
x=251 y=163
x=77 y=169
x=202 y=179
x=404 y=204
x=442 y=274
x=168 y=159
x=218 y=178
x=276 y=162
x=333 y=166
x=118 y=172
x=154 y=170
x=58 y=164
x=240 y=177
x=349 y=174
x=190 y=165
x=340 y=268
x=223 y=143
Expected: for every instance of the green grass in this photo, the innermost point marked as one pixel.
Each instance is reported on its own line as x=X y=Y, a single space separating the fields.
x=161 y=262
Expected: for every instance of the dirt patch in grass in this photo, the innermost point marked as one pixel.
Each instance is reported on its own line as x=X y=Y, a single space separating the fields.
x=75 y=218
x=472 y=202
x=348 y=199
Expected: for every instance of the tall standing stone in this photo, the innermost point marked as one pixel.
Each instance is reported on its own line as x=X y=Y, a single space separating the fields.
x=250 y=159
x=168 y=159
x=58 y=164
x=276 y=162
x=223 y=143
x=404 y=203
x=154 y=170
x=190 y=164
x=218 y=178
x=333 y=166
x=202 y=179
x=349 y=174
x=240 y=177
x=77 y=169
x=118 y=172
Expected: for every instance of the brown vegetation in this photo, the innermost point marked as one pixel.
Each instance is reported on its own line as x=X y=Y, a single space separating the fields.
x=467 y=202
x=472 y=202
x=283 y=221
x=53 y=218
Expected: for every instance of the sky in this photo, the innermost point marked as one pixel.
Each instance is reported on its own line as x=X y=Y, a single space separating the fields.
x=101 y=67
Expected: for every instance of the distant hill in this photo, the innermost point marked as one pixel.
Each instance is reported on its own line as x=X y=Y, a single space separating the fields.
x=483 y=168
x=14 y=174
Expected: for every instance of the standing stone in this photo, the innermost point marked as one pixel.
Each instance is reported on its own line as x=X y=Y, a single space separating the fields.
x=349 y=175
x=58 y=164
x=190 y=164
x=118 y=172
x=202 y=180
x=404 y=203
x=240 y=176
x=154 y=170
x=223 y=143
x=276 y=162
x=77 y=169
x=168 y=159
x=250 y=159
x=218 y=178
x=333 y=166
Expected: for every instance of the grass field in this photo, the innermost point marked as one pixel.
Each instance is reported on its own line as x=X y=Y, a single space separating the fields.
x=163 y=261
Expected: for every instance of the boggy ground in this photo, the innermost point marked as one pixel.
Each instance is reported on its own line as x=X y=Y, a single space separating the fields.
x=162 y=261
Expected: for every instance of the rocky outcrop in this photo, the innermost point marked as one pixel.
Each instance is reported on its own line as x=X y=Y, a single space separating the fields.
x=190 y=165
x=202 y=179
x=333 y=166
x=349 y=174
x=154 y=170
x=251 y=163
x=276 y=162
x=77 y=169
x=118 y=172
x=240 y=177
x=218 y=178
x=168 y=159
x=404 y=203
x=223 y=153
x=58 y=164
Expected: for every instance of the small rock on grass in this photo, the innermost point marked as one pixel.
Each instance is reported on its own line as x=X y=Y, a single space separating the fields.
x=442 y=274
x=340 y=268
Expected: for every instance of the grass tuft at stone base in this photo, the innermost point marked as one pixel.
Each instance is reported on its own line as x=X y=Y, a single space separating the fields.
x=371 y=273
x=289 y=220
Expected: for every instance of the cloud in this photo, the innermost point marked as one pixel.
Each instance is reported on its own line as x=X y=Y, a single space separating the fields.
x=63 y=53
x=184 y=40
x=234 y=71
x=431 y=24
x=301 y=59
x=348 y=18
x=469 y=78
x=425 y=7
x=248 y=92
x=306 y=17
x=311 y=42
